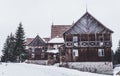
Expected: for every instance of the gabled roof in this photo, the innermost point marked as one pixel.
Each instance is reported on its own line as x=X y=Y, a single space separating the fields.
x=28 y=41
x=58 y=30
x=37 y=41
x=87 y=24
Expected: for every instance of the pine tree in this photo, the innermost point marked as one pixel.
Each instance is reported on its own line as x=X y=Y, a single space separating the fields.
x=20 y=51
x=9 y=49
x=117 y=55
x=12 y=48
x=5 y=50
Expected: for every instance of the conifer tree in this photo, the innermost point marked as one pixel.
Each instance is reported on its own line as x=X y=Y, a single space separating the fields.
x=20 y=51
x=9 y=49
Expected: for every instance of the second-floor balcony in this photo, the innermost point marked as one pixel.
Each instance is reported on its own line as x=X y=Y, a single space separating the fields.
x=88 y=44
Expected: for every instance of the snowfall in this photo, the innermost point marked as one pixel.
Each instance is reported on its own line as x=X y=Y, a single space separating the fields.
x=24 y=69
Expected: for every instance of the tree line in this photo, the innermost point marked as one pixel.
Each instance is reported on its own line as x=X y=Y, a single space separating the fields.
x=14 y=47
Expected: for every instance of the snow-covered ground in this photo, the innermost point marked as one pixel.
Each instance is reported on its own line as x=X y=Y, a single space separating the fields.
x=116 y=70
x=96 y=67
x=23 y=69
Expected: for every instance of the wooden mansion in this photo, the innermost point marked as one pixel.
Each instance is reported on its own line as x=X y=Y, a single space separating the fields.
x=85 y=40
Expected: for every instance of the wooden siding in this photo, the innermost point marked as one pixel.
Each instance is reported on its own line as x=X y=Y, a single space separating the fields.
x=87 y=24
x=92 y=37
x=88 y=54
x=39 y=47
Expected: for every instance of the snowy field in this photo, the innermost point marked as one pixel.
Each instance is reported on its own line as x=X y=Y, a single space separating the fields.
x=23 y=69
x=94 y=67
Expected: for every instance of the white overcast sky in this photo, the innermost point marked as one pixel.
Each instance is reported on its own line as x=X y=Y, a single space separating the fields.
x=38 y=15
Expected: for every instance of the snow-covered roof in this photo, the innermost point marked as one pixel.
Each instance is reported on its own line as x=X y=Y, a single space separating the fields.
x=56 y=40
x=53 y=51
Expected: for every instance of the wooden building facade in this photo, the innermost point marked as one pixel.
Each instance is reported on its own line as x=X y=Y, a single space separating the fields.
x=88 y=40
x=37 y=49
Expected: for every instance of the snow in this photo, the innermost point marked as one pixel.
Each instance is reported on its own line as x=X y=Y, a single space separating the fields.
x=116 y=70
x=40 y=62
x=23 y=69
x=53 y=51
x=56 y=40
x=96 y=67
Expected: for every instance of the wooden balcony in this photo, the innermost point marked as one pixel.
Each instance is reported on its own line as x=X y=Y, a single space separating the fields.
x=88 y=44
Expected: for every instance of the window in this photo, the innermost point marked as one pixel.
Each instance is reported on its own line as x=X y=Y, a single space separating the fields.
x=101 y=38
x=33 y=50
x=33 y=56
x=55 y=46
x=100 y=52
x=75 y=39
x=75 y=52
x=42 y=55
x=42 y=50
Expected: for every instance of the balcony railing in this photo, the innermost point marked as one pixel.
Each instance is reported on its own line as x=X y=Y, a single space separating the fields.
x=88 y=44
